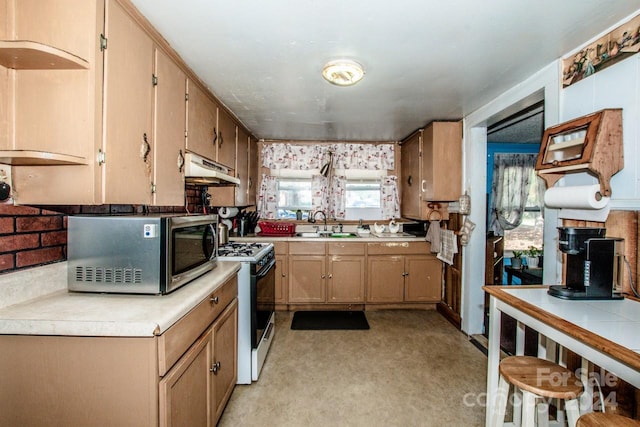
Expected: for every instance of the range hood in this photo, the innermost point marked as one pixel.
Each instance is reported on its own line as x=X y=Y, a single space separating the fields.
x=202 y=171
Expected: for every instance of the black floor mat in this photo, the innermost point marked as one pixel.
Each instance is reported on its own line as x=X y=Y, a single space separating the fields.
x=318 y=320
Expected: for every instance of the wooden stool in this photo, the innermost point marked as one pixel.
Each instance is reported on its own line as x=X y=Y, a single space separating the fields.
x=599 y=419
x=536 y=378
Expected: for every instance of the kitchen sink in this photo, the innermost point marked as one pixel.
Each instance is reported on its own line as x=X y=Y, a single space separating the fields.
x=308 y=234
x=325 y=234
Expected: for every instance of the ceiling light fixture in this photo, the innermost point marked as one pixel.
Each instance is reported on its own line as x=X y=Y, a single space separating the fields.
x=343 y=72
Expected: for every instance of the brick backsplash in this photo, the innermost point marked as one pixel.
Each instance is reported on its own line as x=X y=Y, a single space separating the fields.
x=30 y=236
x=36 y=235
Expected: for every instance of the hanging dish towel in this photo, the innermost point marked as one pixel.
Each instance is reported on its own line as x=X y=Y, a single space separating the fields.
x=434 y=236
x=449 y=246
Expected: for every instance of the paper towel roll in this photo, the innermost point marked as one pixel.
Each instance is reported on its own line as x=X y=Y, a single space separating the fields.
x=575 y=197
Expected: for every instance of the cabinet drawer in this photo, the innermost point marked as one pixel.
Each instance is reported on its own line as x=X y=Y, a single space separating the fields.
x=179 y=337
x=400 y=248
x=281 y=248
x=306 y=248
x=345 y=248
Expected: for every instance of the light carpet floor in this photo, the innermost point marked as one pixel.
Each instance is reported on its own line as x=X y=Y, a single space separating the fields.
x=412 y=368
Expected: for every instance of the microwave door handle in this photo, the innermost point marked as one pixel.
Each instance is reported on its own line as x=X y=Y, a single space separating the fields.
x=211 y=230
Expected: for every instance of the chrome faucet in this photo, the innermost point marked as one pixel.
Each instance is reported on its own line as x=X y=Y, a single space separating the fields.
x=324 y=217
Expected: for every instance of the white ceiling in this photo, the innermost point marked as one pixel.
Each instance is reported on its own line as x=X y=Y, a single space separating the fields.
x=424 y=59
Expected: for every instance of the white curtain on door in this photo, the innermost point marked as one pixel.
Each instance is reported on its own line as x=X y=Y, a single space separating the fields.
x=512 y=176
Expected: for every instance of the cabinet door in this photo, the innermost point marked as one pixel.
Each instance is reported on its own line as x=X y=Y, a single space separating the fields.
x=281 y=279
x=226 y=139
x=201 y=122
x=254 y=170
x=129 y=97
x=170 y=124
x=423 y=279
x=410 y=175
x=184 y=396
x=346 y=281
x=442 y=161
x=386 y=280
x=307 y=278
x=242 y=167
x=224 y=366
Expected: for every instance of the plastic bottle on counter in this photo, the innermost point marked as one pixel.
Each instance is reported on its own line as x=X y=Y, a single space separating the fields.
x=298 y=214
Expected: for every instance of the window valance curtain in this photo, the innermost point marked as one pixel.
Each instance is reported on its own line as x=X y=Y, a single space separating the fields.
x=313 y=156
x=328 y=192
x=512 y=176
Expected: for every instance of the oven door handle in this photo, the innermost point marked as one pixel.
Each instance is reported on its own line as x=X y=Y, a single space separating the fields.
x=265 y=270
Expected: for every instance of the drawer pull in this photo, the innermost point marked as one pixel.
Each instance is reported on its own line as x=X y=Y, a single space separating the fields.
x=215 y=368
x=214 y=300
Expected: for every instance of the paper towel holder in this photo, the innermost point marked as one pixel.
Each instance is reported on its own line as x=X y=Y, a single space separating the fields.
x=591 y=143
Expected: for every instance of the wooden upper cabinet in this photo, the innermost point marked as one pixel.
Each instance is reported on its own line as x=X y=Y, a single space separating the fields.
x=242 y=167
x=254 y=171
x=226 y=139
x=201 y=123
x=170 y=126
x=410 y=173
x=129 y=146
x=442 y=161
x=431 y=167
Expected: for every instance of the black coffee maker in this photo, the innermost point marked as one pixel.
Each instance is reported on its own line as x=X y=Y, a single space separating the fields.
x=593 y=264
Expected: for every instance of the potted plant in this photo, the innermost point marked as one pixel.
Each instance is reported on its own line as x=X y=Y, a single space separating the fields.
x=532 y=255
x=516 y=259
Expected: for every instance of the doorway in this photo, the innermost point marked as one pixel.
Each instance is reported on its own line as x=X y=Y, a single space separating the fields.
x=513 y=143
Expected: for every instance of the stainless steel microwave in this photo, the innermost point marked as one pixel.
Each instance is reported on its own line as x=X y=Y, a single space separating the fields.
x=139 y=254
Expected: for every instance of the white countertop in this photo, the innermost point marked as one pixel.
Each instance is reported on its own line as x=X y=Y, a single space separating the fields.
x=615 y=320
x=41 y=305
x=370 y=238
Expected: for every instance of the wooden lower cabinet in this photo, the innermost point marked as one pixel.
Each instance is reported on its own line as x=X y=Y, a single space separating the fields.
x=323 y=273
x=225 y=354
x=183 y=377
x=423 y=282
x=346 y=279
x=282 y=272
x=386 y=279
x=184 y=392
x=402 y=273
x=307 y=275
x=196 y=389
x=337 y=277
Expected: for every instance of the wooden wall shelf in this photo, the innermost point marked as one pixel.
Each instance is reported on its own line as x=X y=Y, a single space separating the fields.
x=28 y=55
x=592 y=143
x=38 y=158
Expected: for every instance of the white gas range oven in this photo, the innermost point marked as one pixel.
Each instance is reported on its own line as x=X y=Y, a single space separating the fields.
x=256 y=302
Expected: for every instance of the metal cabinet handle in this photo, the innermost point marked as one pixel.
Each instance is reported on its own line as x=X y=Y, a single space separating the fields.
x=221 y=141
x=284 y=275
x=250 y=183
x=214 y=300
x=145 y=149
x=330 y=276
x=410 y=180
x=404 y=274
x=180 y=161
x=323 y=276
x=424 y=182
x=215 y=368
x=215 y=136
